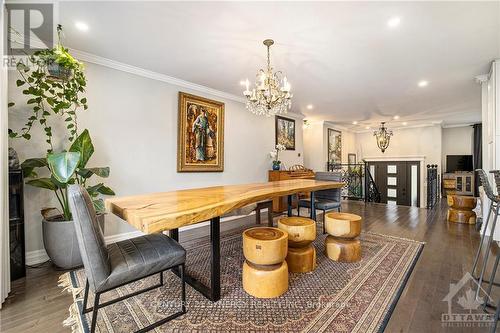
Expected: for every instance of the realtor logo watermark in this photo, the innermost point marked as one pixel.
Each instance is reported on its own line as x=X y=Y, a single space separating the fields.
x=464 y=309
x=30 y=29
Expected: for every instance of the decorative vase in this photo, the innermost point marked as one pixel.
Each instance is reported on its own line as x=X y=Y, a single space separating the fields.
x=276 y=165
x=61 y=245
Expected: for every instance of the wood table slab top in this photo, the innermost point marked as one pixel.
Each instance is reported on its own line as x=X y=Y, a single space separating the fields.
x=170 y=210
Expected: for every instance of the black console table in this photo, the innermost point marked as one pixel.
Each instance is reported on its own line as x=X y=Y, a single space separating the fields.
x=16 y=225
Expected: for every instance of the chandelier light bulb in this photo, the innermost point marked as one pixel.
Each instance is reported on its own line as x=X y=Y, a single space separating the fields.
x=271 y=93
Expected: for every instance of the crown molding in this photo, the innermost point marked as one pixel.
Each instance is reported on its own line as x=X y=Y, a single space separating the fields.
x=120 y=66
x=461 y=124
x=98 y=60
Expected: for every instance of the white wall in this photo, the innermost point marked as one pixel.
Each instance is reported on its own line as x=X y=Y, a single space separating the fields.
x=133 y=124
x=456 y=141
x=316 y=144
x=417 y=143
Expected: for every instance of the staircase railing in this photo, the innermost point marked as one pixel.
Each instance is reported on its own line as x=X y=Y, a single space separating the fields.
x=353 y=177
x=432 y=185
x=372 y=192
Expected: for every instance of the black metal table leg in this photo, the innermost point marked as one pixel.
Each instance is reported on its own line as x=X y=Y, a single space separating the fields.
x=213 y=292
x=290 y=205
x=313 y=208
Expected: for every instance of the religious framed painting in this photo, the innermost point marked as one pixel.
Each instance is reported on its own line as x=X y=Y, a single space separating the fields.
x=334 y=147
x=200 y=140
x=285 y=132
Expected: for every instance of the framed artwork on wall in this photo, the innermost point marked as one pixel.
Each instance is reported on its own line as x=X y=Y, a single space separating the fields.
x=351 y=158
x=334 y=146
x=200 y=139
x=285 y=132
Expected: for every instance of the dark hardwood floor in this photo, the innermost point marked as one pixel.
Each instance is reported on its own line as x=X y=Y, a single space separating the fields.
x=37 y=304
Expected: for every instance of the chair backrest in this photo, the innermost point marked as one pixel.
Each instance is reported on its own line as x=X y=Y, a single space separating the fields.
x=483 y=177
x=333 y=194
x=90 y=238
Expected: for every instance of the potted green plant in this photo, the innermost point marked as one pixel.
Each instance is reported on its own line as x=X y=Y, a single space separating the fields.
x=59 y=95
x=65 y=168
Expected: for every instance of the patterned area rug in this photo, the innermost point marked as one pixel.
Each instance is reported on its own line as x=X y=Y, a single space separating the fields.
x=336 y=297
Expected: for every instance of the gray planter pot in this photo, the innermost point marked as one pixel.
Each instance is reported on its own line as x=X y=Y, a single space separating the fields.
x=61 y=245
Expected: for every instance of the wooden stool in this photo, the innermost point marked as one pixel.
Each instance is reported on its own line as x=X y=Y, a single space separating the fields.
x=265 y=245
x=301 y=257
x=265 y=281
x=265 y=271
x=301 y=230
x=343 y=250
x=460 y=209
x=341 y=243
x=343 y=225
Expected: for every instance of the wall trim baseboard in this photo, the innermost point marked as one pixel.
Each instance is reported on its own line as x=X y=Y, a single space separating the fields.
x=39 y=256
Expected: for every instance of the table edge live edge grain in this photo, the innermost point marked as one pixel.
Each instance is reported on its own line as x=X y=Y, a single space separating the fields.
x=213 y=292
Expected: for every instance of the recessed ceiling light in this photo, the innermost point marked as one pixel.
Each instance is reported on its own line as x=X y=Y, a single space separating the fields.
x=367 y=127
x=423 y=83
x=405 y=123
x=309 y=106
x=396 y=117
x=393 y=22
x=355 y=122
x=81 y=26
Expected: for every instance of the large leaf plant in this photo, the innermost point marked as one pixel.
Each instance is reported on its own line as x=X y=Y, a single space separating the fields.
x=49 y=97
x=69 y=167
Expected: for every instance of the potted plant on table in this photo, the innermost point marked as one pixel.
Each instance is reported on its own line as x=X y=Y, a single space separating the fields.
x=275 y=155
x=54 y=86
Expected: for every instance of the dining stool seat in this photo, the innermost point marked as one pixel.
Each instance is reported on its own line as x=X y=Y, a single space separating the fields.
x=265 y=245
x=301 y=256
x=265 y=271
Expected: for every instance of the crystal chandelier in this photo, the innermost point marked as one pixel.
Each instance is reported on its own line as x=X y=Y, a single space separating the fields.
x=383 y=136
x=271 y=95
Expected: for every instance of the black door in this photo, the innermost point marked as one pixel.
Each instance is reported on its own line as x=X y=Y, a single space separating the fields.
x=398 y=182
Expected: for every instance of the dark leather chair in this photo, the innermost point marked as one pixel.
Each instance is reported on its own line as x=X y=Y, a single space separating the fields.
x=112 y=266
x=326 y=199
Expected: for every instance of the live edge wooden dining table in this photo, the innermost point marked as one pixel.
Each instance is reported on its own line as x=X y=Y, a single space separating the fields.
x=158 y=212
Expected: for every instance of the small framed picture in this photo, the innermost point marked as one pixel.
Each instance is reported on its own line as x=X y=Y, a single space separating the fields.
x=351 y=158
x=285 y=132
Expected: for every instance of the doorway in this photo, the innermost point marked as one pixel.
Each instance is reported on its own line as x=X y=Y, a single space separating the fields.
x=397 y=181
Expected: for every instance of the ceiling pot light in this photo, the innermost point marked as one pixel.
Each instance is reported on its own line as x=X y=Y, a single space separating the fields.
x=81 y=26
x=367 y=127
x=309 y=106
x=393 y=22
x=405 y=123
x=383 y=136
x=355 y=122
x=396 y=117
x=423 y=83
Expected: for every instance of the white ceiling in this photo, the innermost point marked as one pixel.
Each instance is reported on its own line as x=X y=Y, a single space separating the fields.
x=340 y=57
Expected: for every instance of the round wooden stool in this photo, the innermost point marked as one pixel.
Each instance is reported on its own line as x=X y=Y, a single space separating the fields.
x=341 y=243
x=265 y=246
x=265 y=281
x=301 y=259
x=460 y=209
x=301 y=230
x=265 y=271
x=343 y=225
x=343 y=250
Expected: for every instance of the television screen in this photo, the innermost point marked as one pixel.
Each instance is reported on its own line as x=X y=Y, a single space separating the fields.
x=459 y=163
